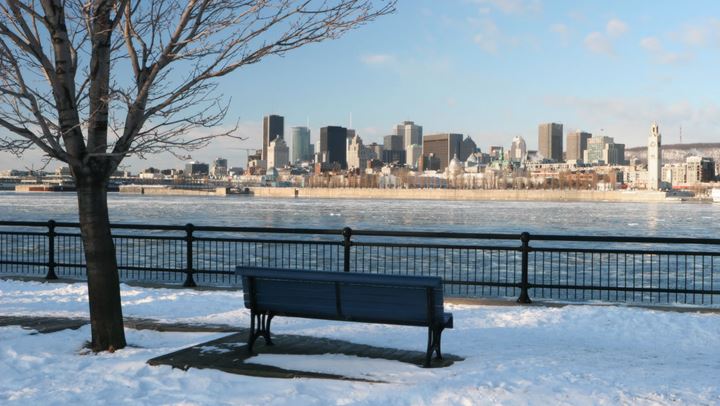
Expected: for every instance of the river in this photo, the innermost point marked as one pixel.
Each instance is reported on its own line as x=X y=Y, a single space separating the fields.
x=592 y=218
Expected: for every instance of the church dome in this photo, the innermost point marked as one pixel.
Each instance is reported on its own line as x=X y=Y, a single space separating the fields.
x=455 y=167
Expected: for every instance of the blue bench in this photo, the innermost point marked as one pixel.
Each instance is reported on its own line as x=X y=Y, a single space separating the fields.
x=344 y=296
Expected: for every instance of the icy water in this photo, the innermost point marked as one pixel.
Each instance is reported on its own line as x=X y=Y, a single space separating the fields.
x=596 y=218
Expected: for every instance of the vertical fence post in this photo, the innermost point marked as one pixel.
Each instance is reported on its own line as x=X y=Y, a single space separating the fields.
x=51 y=250
x=189 y=281
x=347 y=233
x=524 y=282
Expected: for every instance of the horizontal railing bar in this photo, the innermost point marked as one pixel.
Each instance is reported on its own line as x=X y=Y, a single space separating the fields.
x=624 y=289
x=625 y=239
x=274 y=241
x=441 y=246
x=27 y=233
x=630 y=252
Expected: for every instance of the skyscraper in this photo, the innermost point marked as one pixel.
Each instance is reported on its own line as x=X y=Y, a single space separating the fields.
x=518 y=150
x=273 y=127
x=654 y=158
x=410 y=132
x=300 y=137
x=333 y=141
x=278 y=153
x=550 y=141
x=443 y=147
x=393 y=149
x=577 y=143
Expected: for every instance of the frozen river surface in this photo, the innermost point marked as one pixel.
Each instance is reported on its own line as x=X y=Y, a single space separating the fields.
x=638 y=219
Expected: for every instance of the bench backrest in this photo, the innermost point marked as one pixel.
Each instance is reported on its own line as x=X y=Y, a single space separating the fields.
x=391 y=299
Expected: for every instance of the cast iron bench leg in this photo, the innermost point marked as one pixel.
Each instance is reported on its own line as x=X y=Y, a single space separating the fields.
x=259 y=326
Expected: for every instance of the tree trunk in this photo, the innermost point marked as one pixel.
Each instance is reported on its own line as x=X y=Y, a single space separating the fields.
x=106 y=317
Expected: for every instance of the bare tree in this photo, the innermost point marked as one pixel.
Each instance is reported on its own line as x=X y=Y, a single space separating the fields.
x=90 y=82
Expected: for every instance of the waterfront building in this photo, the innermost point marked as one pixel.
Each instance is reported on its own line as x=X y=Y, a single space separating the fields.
x=550 y=141
x=518 y=150
x=393 y=149
x=301 y=147
x=442 y=147
x=273 y=127
x=410 y=132
x=333 y=143
x=194 y=168
x=699 y=169
x=219 y=168
x=278 y=154
x=654 y=155
x=577 y=142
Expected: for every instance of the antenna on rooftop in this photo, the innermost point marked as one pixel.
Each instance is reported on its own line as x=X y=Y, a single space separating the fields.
x=681 y=134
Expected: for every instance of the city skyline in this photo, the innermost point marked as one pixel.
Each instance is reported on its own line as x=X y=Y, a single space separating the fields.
x=464 y=67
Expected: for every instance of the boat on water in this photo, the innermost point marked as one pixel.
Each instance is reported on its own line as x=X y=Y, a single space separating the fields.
x=716 y=195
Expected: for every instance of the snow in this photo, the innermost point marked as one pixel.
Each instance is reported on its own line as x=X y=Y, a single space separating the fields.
x=535 y=355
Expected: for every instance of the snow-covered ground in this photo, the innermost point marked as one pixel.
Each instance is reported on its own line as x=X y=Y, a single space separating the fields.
x=513 y=355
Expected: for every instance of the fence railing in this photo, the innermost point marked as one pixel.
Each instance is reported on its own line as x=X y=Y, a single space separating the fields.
x=524 y=266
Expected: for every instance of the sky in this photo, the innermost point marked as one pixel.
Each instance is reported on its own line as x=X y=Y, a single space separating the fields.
x=491 y=69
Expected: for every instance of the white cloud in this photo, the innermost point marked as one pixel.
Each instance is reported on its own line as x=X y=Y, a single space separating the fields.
x=512 y=6
x=377 y=59
x=489 y=36
x=628 y=120
x=561 y=29
x=596 y=42
x=656 y=49
x=616 y=28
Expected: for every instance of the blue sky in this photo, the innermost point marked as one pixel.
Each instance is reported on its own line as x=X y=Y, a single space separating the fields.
x=493 y=69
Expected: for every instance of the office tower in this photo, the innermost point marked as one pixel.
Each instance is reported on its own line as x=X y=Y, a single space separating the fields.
x=273 y=127
x=333 y=141
x=467 y=148
x=602 y=150
x=278 y=154
x=410 y=132
x=394 y=149
x=576 y=145
x=518 y=150
x=443 y=147
x=357 y=153
x=550 y=141
x=194 y=168
x=413 y=154
x=300 y=137
x=654 y=155
x=219 y=167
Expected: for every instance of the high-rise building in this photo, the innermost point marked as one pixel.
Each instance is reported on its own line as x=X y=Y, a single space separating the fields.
x=278 y=154
x=518 y=150
x=413 y=154
x=273 y=127
x=194 y=168
x=357 y=153
x=219 y=167
x=654 y=155
x=699 y=169
x=333 y=141
x=602 y=150
x=300 y=137
x=576 y=145
x=410 y=132
x=467 y=148
x=443 y=147
x=394 y=149
x=550 y=141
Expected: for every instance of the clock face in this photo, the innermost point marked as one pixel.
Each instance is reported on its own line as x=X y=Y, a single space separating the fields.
x=652 y=143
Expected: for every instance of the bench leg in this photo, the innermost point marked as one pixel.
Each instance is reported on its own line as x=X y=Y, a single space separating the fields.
x=259 y=327
x=434 y=336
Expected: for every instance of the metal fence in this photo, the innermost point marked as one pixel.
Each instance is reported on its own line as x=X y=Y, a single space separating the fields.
x=575 y=268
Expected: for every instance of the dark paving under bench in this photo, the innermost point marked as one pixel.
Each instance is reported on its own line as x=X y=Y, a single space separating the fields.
x=230 y=354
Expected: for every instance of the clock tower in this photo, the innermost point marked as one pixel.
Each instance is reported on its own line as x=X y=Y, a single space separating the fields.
x=654 y=156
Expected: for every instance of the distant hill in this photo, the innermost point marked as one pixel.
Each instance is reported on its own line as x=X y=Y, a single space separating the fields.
x=676 y=153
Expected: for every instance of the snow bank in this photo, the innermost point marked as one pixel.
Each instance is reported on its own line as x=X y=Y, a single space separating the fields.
x=514 y=355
